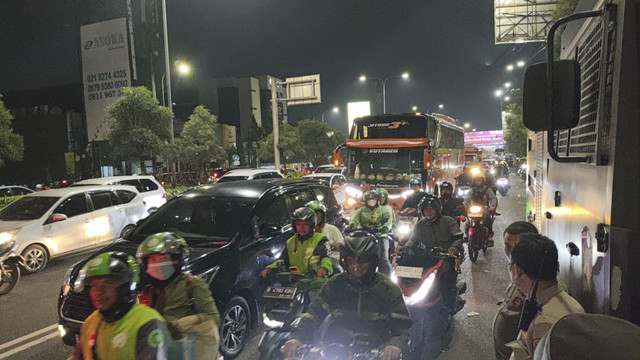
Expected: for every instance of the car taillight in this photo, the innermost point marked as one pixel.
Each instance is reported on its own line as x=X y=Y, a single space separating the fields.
x=144 y=203
x=162 y=183
x=164 y=195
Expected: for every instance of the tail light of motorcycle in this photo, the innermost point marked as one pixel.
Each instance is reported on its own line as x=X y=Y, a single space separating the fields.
x=471 y=231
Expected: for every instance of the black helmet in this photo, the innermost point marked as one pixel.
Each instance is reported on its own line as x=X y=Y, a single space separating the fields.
x=371 y=194
x=446 y=185
x=304 y=214
x=430 y=201
x=360 y=244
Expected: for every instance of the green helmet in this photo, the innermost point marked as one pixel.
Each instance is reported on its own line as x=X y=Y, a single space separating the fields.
x=163 y=243
x=318 y=206
x=383 y=192
x=113 y=264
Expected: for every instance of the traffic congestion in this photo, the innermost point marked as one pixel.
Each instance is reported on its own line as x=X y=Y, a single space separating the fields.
x=242 y=219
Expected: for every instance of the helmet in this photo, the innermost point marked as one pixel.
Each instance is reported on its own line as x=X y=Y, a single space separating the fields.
x=39 y=187
x=446 y=185
x=360 y=244
x=430 y=201
x=163 y=243
x=113 y=264
x=371 y=194
x=318 y=206
x=414 y=181
x=383 y=192
x=304 y=214
x=480 y=175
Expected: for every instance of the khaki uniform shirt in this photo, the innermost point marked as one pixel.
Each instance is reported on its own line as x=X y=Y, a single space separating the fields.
x=555 y=303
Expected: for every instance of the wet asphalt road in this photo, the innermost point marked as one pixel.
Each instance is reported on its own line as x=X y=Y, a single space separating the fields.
x=28 y=312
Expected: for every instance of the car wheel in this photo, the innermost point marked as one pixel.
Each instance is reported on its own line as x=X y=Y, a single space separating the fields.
x=127 y=229
x=36 y=258
x=235 y=327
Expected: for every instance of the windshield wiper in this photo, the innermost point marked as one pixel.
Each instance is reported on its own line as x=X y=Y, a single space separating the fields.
x=213 y=243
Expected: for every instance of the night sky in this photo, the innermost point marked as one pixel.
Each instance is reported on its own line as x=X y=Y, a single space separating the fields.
x=446 y=45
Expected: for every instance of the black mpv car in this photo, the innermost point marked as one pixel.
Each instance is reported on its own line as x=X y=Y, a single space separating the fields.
x=234 y=230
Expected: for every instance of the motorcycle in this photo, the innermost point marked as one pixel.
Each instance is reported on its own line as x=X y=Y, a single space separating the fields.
x=419 y=274
x=10 y=264
x=284 y=302
x=462 y=191
x=376 y=231
x=503 y=185
x=407 y=219
x=477 y=232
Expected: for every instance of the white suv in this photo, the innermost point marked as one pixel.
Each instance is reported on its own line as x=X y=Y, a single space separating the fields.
x=249 y=174
x=57 y=222
x=151 y=191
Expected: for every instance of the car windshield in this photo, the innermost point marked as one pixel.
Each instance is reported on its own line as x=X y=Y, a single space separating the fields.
x=200 y=220
x=232 y=178
x=28 y=208
x=332 y=170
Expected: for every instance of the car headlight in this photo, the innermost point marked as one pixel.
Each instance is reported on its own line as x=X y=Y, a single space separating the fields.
x=407 y=193
x=475 y=209
x=351 y=201
x=423 y=291
x=404 y=229
x=353 y=192
x=271 y=323
x=6 y=236
x=502 y=181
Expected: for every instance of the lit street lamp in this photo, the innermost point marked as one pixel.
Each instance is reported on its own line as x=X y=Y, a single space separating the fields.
x=183 y=69
x=467 y=125
x=414 y=108
x=521 y=63
x=441 y=106
x=384 y=84
x=335 y=110
x=507 y=85
x=510 y=67
x=507 y=98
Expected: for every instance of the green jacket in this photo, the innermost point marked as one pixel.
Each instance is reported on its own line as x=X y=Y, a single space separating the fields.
x=175 y=303
x=382 y=298
x=139 y=334
x=372 y=218
x=300 y=254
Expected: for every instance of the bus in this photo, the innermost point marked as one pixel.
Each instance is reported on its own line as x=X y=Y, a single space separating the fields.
x=583 y=177
x=391 y=149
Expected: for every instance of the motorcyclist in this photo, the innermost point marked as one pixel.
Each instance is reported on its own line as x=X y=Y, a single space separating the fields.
x=414 y=198
x=184 y=300
x=483 y=194
x=361 y=291
x=436 y=230
x=302 y=245
x=466 y=177
x=119 y=328
x=375 y=216
x=332 y=233
x=451 y=206
x=384 y=201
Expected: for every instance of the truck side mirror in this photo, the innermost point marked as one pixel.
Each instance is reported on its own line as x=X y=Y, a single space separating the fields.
x=564 y=109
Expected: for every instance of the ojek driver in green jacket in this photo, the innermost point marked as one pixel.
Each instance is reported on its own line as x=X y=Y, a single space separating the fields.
x=301 y=246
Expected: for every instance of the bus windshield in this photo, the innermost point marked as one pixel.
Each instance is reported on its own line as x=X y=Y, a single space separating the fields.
x=392 y=166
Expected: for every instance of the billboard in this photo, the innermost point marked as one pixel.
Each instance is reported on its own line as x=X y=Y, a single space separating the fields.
x=105 y=71
x=357 y=109
x=484 y=139
x=518 y=21
x=303 y=90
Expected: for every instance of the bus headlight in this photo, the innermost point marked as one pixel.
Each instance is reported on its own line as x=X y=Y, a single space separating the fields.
x=353 y=192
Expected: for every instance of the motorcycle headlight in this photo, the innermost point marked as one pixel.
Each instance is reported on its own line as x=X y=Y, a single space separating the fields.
x=502 y=181
x=523 y=166
x=423 y=291
x=353 y=192
x=351 y=201
x=475 y=209
x=492 y=171
x=271 y=323
x=6 y=236
x=404 y=229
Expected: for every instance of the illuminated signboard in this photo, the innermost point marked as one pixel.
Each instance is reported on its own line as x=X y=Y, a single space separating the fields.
x=356 y=110
x=484 y=138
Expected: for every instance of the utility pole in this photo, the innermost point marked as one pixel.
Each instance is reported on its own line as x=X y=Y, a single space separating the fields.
x=276 y=123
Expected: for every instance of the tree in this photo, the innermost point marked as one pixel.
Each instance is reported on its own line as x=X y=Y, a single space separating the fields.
x=10 y=143
x=318 y=140
x=289 y=145
x=140 y=125
x=198 y=145
x=517 y=135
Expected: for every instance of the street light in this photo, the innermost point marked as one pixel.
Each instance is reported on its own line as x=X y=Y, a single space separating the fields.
x=507 y=98
x=335 y=109
x=507 y=85
x=441 y=106
x=521 y=63
x=384 y=84
x=499 y=93
x=414 y=108
x=467 y=125
x=510 y=67
x=183 y=69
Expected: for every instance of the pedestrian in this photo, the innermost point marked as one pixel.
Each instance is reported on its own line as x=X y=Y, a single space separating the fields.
x=505 y=323
x=534 y=269
x=183 y=300
x=118 y=328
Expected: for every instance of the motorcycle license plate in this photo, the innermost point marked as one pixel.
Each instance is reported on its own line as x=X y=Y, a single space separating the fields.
x=279 y=292
x=409 y=272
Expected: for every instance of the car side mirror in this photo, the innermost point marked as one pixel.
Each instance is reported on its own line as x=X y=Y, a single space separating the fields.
x=58 y=217
x=563 y=111
x=335 y=187
x=266 y=230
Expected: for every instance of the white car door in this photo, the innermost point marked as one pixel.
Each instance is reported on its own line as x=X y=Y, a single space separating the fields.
x=108 y=216
x=74 y=232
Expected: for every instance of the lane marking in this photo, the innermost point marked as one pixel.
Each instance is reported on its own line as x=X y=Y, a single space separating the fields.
x=28 y=336
x=28 y=345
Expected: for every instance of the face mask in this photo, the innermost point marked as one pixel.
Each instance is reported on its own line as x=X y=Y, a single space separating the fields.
x=446 y=195
x=161 y=271
x=371 y=203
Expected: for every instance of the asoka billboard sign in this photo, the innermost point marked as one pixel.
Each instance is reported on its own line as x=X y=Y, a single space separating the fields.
x=484 y=138
x=105 y=69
